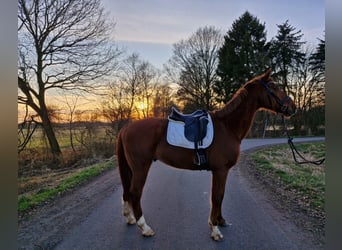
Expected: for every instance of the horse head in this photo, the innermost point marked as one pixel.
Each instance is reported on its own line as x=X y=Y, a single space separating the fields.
x=273 y=98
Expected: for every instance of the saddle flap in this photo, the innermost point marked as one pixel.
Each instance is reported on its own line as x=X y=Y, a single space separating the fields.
x=196 y=129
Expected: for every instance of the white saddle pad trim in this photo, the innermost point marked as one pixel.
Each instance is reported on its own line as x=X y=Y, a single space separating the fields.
x=175 y=135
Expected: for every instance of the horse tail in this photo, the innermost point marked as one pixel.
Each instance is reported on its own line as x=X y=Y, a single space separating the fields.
x=124 y=169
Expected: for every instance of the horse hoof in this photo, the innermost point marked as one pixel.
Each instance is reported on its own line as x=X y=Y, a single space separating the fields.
x=218 y=238
x=146 y=230
x=130 y=221
x=148 y=233
x=127 y=212
x=225 y=224
x=216 y=234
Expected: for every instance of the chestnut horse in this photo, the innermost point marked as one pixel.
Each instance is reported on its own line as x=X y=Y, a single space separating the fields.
x=143 y=141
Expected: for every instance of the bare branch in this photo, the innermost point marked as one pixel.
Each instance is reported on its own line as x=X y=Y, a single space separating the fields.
x=26 y=130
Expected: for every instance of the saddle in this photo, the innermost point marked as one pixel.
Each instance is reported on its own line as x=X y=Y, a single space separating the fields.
x=195 y=129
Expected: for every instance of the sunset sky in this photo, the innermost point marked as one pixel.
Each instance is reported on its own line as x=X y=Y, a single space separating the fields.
x=150 y=27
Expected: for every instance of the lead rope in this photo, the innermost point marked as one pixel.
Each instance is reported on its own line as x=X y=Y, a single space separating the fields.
x=294 y=149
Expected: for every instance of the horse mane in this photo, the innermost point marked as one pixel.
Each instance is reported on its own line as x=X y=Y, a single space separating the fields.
x=237 y=99
x=240 y=95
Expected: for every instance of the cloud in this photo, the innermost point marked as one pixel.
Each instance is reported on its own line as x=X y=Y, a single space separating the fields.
x=143 y=22
x=169 y=21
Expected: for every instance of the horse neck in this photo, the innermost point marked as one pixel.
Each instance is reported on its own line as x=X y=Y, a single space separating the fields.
x=241 y=118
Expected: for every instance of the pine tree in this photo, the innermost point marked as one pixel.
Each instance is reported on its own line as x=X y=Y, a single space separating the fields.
x=317 y=69
x=317 y=61
x=286 y=53
x=242 y=56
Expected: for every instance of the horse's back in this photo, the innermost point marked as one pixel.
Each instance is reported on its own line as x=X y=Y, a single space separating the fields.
x=144 y=134
x=146 y=127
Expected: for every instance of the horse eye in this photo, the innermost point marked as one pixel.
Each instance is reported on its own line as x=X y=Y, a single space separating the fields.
x=274 y=86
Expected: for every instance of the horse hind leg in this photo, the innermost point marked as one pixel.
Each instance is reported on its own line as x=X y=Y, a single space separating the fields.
x=133 y=168
x=126 y=179
x=127 y=211
x=138 y=182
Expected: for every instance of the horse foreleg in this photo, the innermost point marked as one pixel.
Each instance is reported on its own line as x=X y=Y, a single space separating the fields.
x=217 y=193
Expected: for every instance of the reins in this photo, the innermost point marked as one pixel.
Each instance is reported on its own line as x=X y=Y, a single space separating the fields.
x=295 y=150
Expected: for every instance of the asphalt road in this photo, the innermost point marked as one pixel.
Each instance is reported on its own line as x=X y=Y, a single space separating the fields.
x=176 y=205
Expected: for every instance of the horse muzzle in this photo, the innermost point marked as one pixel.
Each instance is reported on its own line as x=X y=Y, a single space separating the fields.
x=288 y=108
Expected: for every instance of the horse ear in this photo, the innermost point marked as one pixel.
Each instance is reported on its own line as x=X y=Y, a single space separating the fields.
x=267 y=74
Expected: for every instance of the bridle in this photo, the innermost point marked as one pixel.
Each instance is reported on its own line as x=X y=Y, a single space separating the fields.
x=284 y=107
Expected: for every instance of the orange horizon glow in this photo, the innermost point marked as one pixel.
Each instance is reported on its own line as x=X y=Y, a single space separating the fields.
x=89 y=107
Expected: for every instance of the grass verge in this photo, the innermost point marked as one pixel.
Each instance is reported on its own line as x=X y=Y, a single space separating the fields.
x=306 y=182
x=28 y=200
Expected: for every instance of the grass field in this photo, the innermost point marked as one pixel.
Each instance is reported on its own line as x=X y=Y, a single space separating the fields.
x=81 y=134
x=89 y=142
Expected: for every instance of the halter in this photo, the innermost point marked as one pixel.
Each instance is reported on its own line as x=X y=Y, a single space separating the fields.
x=283 y=108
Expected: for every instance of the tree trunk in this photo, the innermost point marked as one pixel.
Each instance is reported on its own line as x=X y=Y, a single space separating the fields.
x=50 y=134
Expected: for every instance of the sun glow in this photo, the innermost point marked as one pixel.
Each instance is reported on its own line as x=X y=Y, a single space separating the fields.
x=141 y=106
x=141 y=110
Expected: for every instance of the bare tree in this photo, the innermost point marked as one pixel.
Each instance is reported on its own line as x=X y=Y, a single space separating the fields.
x=195 y=62
x=149 y=82
x=72 y=105
x=307 y=90
x=63 y=44
x=139 y=79
x=87 y=130
x=130 y=80
x=116 y=106
x=163 y=101
x=131 y=94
